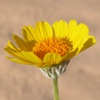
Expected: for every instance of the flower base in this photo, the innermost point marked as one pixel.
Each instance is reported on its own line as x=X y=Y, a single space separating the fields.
x=55 y=70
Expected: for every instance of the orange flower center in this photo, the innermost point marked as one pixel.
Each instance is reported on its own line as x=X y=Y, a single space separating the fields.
x=59 y=46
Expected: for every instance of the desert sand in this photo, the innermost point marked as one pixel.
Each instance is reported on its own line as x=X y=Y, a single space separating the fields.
x=81 y=81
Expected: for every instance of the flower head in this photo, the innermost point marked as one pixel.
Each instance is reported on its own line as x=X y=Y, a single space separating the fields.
x=45 y=45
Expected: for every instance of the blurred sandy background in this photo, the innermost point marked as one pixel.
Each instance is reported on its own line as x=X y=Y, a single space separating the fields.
x=82 y=78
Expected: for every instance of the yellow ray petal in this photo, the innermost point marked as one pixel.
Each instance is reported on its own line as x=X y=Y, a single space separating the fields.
x=20 y=61
x=72 y=53
x=11 y=51
x=83 y=33
x=28 y=32
x=43 y=31
x=32 y=34
x=71 y=28
x=20 y=42
x=60 y=29
x=86 y=43
x=11 y=45
x=31 y=57
x=30 y=44
x=51 y=59
x=80 y=32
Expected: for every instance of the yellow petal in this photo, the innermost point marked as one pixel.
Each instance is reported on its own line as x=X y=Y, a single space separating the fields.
x=28 y=32
x=11 y=45
x=77 y=32
x=20 y=42
x=20 y=61
x=43 y=31
x=83 y=33
x=80 y=32
x=30 y=44
x=51 y=59
x=60 y=29
x=14 y=53
x=86 y=43
x=72 y=53
x=71 y=28
x=11 y=51
x=31 y=57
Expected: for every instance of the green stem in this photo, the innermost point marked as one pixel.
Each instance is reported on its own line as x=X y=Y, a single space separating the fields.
x=55 y=87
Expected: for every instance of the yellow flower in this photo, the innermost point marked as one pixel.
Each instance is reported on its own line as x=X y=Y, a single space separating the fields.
x=45 y=45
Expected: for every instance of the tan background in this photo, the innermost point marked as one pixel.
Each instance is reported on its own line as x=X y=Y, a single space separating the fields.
x=82 y=78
